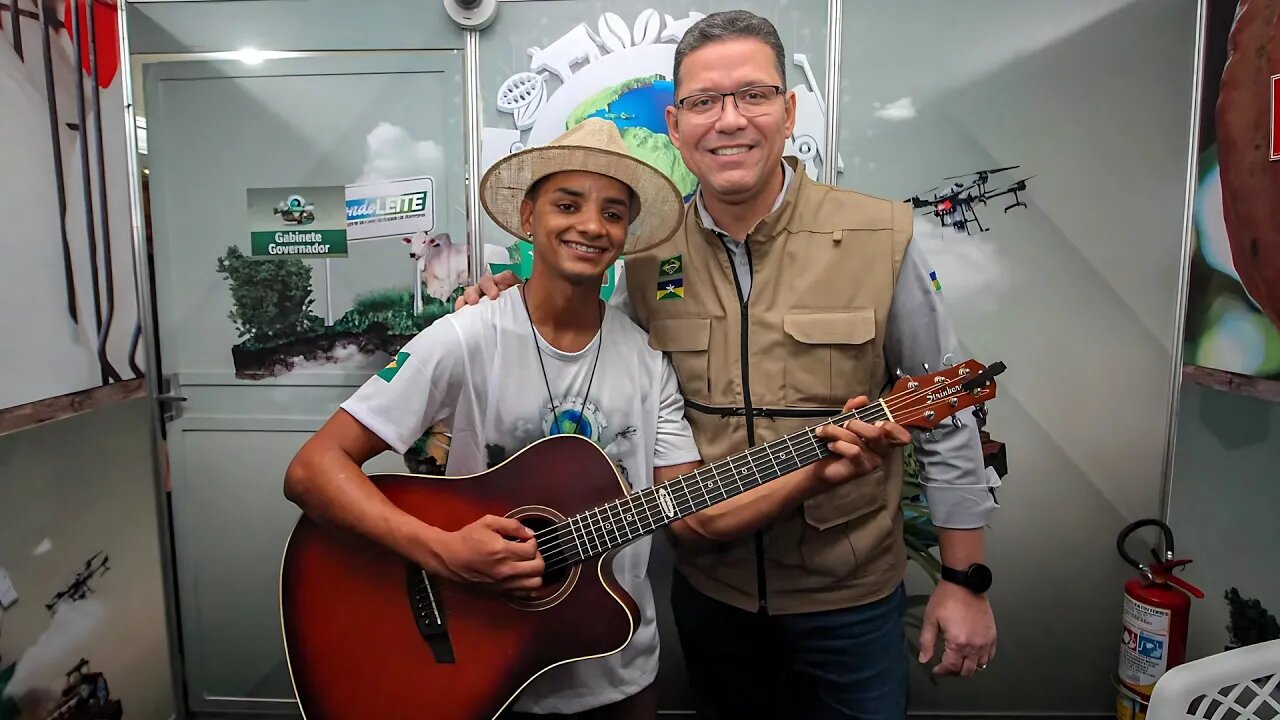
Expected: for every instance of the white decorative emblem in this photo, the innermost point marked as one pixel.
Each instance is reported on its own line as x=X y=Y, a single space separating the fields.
x=621 y=71
x=666 y=503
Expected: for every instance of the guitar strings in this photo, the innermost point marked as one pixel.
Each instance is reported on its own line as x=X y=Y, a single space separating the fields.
x=557 y=536
x=556 y=541
x=560 y=554
x=557 y=532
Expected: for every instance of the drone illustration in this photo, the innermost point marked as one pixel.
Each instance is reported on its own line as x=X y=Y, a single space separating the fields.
x=79 y=587
x=86 y=696
x=955 y=207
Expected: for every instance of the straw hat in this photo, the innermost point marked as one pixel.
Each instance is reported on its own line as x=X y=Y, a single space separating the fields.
x=594 y=145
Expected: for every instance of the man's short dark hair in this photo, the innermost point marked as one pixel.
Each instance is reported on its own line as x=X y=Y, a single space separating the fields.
x=728 y=25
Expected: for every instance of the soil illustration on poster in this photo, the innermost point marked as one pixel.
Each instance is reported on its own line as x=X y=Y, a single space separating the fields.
x=1233 y=310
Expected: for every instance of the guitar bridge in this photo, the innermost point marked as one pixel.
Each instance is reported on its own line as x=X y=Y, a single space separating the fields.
x=428 y=614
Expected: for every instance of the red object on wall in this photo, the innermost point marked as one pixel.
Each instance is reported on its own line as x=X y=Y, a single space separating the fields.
x=106 y=37
x=1245 y=121
x=1275 y=118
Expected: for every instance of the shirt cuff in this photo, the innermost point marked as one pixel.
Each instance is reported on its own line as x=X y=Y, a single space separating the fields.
x=963 y=507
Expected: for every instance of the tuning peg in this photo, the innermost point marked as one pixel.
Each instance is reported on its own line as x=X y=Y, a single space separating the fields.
x=899 y=373
x=925 y=365
x=947 y=360
x=930 y=436
x=955 y=420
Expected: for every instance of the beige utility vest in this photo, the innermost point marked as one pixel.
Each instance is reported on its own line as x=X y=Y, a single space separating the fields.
x=824 y=266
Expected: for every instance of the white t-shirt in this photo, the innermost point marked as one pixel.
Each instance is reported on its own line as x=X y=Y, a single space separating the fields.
x=477 y=371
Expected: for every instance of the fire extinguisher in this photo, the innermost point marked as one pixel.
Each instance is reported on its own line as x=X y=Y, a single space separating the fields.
x=1157 y=606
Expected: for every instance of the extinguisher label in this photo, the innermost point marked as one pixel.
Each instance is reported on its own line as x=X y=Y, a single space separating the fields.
x=1142 y=644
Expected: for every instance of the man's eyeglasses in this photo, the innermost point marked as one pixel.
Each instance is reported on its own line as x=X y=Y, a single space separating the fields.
x=751 y=101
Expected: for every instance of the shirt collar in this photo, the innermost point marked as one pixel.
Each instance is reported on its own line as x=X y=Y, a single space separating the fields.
x=710 y=224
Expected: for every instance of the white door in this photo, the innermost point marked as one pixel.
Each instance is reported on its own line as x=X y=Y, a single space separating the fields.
x=264 y=347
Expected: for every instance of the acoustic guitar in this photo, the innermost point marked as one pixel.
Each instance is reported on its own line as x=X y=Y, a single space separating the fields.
x=369 y=636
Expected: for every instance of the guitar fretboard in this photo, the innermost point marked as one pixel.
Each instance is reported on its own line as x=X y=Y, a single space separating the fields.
x=614 y=524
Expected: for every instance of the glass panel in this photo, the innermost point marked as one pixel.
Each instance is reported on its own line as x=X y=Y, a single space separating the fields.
x=1072 y=282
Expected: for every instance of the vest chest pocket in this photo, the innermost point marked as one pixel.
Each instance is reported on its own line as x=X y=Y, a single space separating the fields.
x=829 y=356
x=687 y=341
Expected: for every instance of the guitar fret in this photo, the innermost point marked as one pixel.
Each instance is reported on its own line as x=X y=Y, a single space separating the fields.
x=582 y=532
x=577 y=541
x=624 y=533
x=627 y=516
x=651 y=502
x=602 y=537
x=610 y=525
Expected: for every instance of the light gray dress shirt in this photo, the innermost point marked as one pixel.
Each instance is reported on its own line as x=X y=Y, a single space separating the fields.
x=959 y=489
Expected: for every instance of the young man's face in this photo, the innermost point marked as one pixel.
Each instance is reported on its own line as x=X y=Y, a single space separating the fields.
x=579 y=222
x=733 y=154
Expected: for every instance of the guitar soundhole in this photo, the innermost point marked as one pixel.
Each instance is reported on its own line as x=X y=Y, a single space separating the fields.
x=556 y=581
x=553 y=578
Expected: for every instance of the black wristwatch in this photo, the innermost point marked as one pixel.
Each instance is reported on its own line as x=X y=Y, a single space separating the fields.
x=976 y=578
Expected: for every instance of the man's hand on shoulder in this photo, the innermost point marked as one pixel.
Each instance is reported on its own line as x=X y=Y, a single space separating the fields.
x=858 y=447
x=489 y=286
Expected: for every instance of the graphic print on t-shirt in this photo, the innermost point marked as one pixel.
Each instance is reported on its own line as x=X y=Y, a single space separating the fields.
x=571 y=416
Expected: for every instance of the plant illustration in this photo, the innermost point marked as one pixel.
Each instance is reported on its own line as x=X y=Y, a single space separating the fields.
x=271 y=299
x=1249 y=623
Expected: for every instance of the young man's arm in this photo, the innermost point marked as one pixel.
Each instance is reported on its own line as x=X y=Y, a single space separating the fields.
x=390 y=412
x=745 y=513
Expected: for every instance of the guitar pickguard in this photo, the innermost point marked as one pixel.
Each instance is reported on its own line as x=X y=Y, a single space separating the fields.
x=428 y=613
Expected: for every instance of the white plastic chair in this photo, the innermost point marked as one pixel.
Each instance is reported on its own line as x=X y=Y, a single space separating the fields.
x=1240 y=684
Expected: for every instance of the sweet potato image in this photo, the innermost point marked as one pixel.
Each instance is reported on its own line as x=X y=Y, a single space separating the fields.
x=1250 y=179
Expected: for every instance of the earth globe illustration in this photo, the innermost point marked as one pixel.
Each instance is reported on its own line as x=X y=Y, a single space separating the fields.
x=638 y=108
x=632 y=90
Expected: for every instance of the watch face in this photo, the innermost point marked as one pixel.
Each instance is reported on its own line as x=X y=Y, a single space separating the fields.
x=979 y=577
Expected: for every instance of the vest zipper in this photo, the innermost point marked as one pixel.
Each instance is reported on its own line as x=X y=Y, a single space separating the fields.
x=744 y=364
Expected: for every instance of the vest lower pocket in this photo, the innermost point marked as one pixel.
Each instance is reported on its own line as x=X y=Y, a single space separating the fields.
x=686 y=341
x=829 y=356
x=844 y=529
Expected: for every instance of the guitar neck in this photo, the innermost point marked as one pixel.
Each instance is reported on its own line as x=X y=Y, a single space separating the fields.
x=615 y=524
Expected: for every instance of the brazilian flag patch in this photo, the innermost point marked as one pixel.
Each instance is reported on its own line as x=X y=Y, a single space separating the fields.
x=672 y=289
x=671 y=278
x=394 y=366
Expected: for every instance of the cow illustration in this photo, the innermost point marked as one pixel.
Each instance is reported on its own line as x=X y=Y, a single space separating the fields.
x=442 y=265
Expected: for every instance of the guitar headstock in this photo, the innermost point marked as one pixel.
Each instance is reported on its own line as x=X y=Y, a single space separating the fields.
x=922 y=401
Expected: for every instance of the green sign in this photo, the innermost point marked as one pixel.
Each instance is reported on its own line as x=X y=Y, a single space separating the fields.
x=298 y=221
